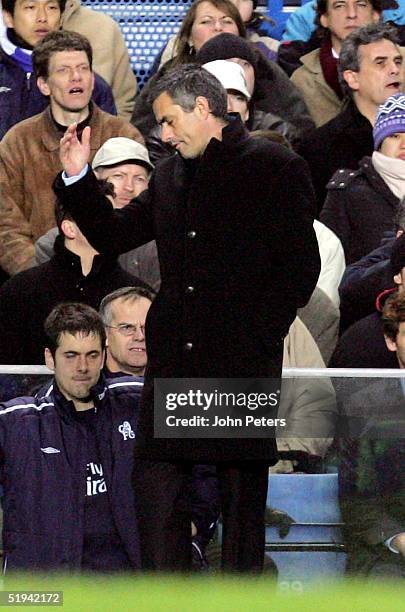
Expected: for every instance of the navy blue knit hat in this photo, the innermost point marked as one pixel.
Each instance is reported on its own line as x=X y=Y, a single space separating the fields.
x=390 y=119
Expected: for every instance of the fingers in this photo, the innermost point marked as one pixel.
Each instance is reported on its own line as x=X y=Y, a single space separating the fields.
x=70 y=135
x=86 y=136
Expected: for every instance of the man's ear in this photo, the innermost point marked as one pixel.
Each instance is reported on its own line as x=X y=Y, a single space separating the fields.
x=43 y=86
x=68 y=228
x=49 y=360
x=8 y=19
x=324 y=21
x=352 y=79
x=391 y=345
x=398 y=279
x=202 y=107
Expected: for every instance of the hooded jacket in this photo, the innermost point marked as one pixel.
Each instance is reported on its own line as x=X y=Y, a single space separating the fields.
x=110 y=54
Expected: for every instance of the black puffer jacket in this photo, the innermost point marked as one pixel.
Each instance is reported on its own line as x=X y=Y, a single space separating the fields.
x=359 y=208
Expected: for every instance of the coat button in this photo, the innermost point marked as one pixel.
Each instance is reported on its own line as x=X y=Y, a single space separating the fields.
x=188 y=346
x=190 y=289
x=191 y=234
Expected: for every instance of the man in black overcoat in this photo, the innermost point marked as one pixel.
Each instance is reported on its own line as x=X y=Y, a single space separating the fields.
x=232 y=217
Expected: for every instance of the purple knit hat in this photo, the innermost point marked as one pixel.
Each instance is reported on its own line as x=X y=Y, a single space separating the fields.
x=390 y=119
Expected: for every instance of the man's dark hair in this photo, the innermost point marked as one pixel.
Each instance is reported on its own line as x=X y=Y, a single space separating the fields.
x=349 y=58
x=322 y=8
x=126 y=294
x=106 y=188
x=61 y=40
x=393 y=314
x=9 y=5
x=72 y=318
x=185 y=83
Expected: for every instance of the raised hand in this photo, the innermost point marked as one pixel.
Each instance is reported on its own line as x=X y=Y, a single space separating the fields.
x=74 y=154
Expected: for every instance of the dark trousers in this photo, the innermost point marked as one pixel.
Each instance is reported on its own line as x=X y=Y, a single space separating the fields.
x=164 y=514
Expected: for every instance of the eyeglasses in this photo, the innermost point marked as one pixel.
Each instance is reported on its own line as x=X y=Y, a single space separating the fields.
x=126 y=329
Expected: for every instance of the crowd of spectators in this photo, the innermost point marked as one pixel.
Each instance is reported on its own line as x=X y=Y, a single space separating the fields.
x=332 y=91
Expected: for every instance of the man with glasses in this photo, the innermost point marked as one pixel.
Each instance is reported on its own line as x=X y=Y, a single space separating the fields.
x=124 y=313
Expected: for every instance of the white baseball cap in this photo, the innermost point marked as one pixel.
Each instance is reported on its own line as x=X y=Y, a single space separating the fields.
x=120 y=149
x=229 y=74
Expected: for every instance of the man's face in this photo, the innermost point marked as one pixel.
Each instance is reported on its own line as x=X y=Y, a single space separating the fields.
x=126 y=351
x=129 y=180
x=344 y=16
x=210 y=21
x=70 y=81
x=380 y=74
x=77 y=364
x=33 y=19
x=237 y=103
x=185 y=131
x=398 y=345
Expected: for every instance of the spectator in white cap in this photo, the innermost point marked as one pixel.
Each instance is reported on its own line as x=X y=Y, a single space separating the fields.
x=126 y=165
x=232 y=78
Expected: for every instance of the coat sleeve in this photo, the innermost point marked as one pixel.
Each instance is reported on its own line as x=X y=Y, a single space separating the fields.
x=300 y=23
x=16 y=243
x=109 y=231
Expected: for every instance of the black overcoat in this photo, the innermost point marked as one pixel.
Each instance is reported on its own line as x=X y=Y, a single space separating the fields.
x=238 y=256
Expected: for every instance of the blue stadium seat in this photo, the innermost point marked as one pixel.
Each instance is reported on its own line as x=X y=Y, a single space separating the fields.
x=313 y=548
x=146 y=26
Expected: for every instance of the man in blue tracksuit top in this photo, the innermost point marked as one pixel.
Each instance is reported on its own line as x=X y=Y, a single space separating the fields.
x=66 y=458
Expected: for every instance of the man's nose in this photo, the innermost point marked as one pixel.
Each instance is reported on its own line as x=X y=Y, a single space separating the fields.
x=166 y=132
x=129 y=184
x=351 y=11
x=139 y=332
x=82 y=363
x=42 y=15
x=75 y=74
x=395 y=68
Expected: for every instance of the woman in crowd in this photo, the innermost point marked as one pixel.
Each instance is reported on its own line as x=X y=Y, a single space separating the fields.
x=360 y=205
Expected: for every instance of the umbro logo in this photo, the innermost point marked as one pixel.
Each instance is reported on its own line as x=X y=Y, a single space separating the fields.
x=5 y=89
x=49 y=450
